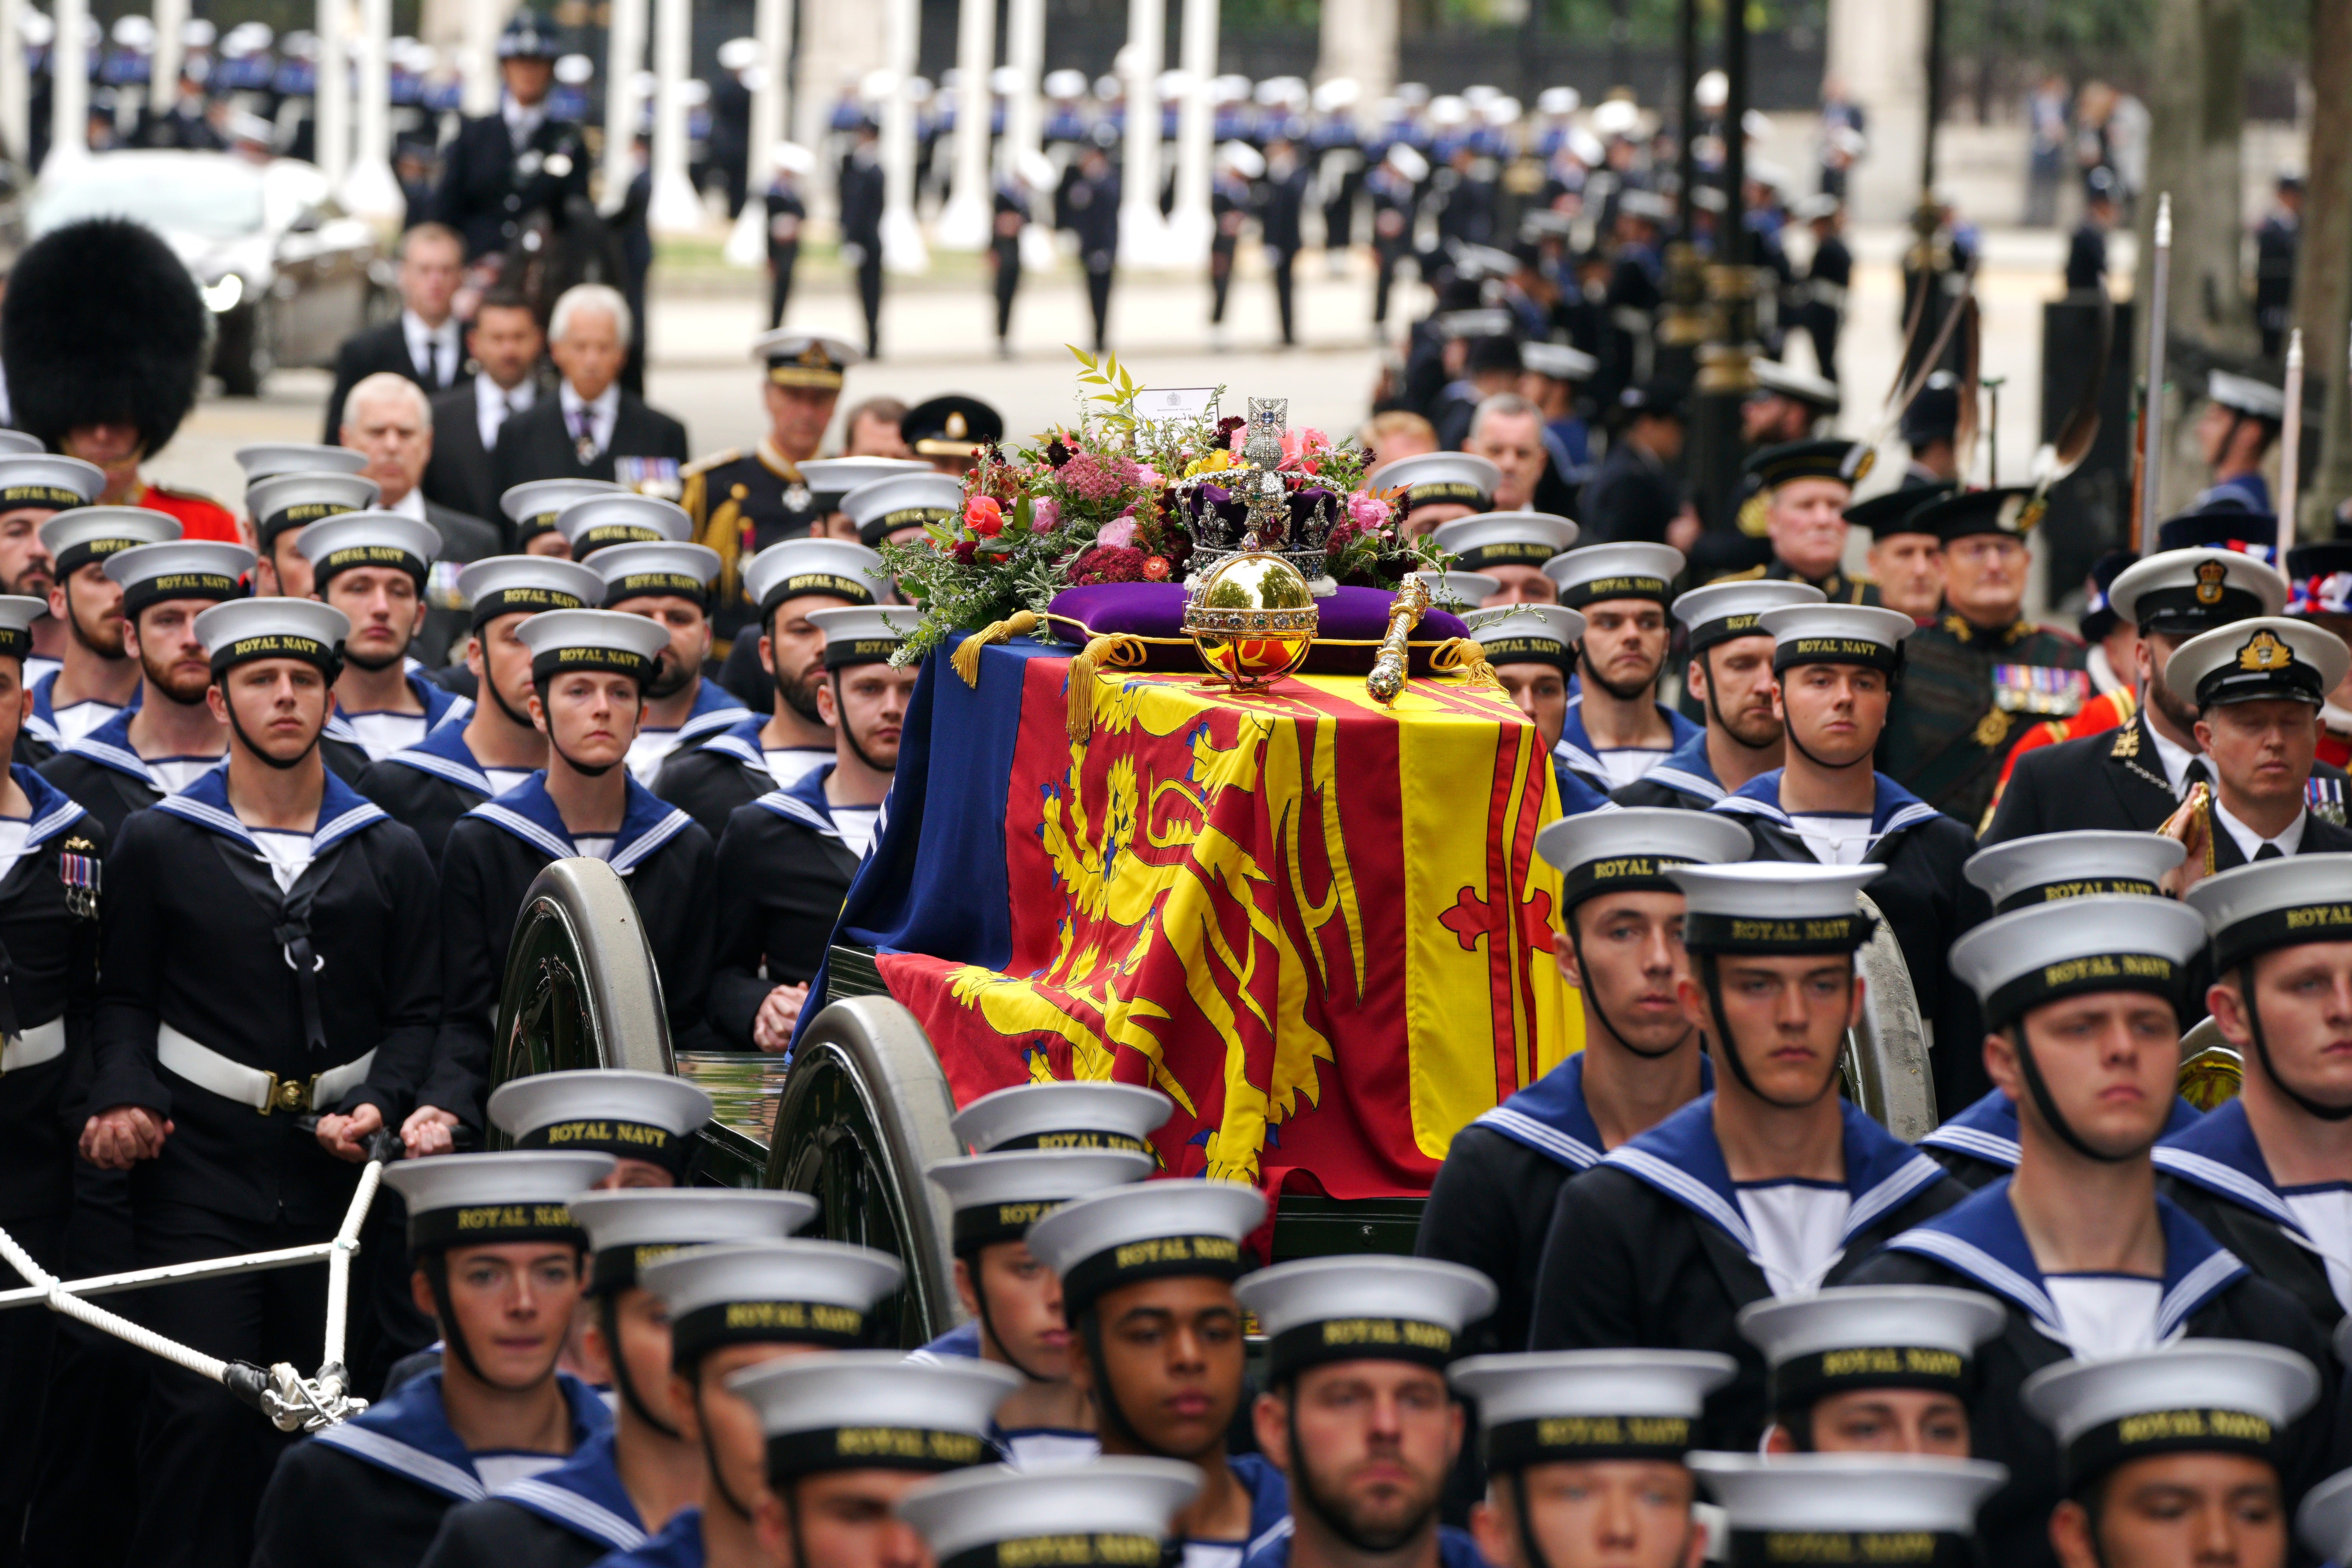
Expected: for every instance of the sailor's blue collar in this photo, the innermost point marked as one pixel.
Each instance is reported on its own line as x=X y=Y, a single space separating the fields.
x=445 y=754
x=647 y=822
x=678 y=1544
x=110 y=747
x=1575 y=747
x=1686 y=768
x=343 y=810
x=1269 y=1494
x=1681 y=1158
x=585 y=1496
x=42 y=721
x=1981 y=1239
x=1986 y=1130
x=803 y=802
x=741 y=742
x=2219 y=1153
x=1549 y=1115
x=53 y=809
x=715 y=708
x=1892 y=807
x=408 y=1434
x=442 y=708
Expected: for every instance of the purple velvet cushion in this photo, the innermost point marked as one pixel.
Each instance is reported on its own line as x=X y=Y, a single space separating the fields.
x=1156 y=610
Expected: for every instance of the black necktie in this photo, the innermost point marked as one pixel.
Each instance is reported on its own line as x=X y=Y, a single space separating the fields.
x=2270 y=852
x=2193 y=776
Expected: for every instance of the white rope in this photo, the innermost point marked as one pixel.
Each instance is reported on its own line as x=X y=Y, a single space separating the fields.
x=61 y=1300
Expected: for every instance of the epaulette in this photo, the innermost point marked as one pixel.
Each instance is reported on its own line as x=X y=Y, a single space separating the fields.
x=716 y=460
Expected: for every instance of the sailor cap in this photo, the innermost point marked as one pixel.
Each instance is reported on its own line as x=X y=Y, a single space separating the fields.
x=1081 y=1115
x=857 y=634
x=1152 y=1231
x=880 y=508
x=830 y=479
x=487 y=1200
x=295 y=500
x=2013 y=512
x=656 y=570
x=2231 y=1396
x=243 y=631
x=1845 y=1508
x=178 y=569
x=2245 y=394
x=1471 y=588
x=1598 y=572
x=2268 y=657
x=997 y=1197
x=796 y=1291
x=1893 y=512
x=837 y=568
x=2052 y=866
x=1503 y=538
x=599 y=522
x=1317 y=1310
x=526 y=584
x=15 y=441
x=1112 y=1513
x=2045 y=952
x=1611 y=851
x=874 y=1410
x=39 y=478
x=1722 y=611
x=1870 y=1336
x=2180 y=592
x=17 y=613
x=1558 y=361
x=647 y=1116
x=533 y=507
x=369 y=539
x=1480 y=321
x=1773 y=907
x=1528 y=633
x=1837 y=633
x=1431 y=478
x=2252 y=910
x=1545 y=1406
x=1846 y=462
x=2323 y=1522
x=630 y=1228
x=592 y=639
x=268 y=459
x=74 y=539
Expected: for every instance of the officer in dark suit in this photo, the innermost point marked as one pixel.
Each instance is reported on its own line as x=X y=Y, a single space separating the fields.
x=1821 y=307
x=2252 y=682
x=505 y=342
x=1281 y=205
x=426 y=343
x=502 y=167
x=786 y=212
x=2086 y=251
x=1232 y=200
x=2274 y=246
x=1394 y=188
x=593 y=426
x=1632 y=496
x=861 y=194
x=1094 y=218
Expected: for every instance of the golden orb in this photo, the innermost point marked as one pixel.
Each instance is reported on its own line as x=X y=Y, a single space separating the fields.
x=1253 y=619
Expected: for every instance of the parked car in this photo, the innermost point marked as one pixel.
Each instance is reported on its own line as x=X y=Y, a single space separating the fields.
x=288 y=273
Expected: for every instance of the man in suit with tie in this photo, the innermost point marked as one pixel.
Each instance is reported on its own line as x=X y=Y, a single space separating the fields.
x=591 y=421
x=388 y=418
x=426 y=343
x=505 y=342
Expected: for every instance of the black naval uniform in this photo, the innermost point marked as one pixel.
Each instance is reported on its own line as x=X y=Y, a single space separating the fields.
x=741 y=502
x=2215 y=1169
x=2320 y=836
x=861 y=192
x=230 y=1181
x=784 y=871
x=1094 y=218
x=429 y=785
x=488 y=185
x=104 y=776
x=1967 y=696
x=1630 y=497
x=1395 y=208
x=786 y=213
x=707 y=779
x=1008 y=214
x=2112 y=780
x=1279 y=230
x=1827 y=279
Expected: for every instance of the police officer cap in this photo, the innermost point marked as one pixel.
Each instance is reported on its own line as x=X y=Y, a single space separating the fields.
x=2269 y=657
x=13 y=442
x=835 y=568
x=1503 y=538
x=656 y=570
x=2046 y=952
x=526 y=584
x=1935 y=413
x=1631 y=570
x=1432 y=478
x=1528 y=633
x=857 y=634
x=1152 y=1231
x=1112 y=1513
x=954 y=425
x=1659 y=399
x=2323 y=1522
x=796 y=1291
x=2250 y=909
x=1773 y=907
x=1472 y=588
x=874 y=1410
x=2245 y=394
x=997 y=1197
x=268 y=459
x=2010 y=512
x=1893 y=513
x=592 y=639
x=598 y=522
x=1550 y=1407
x=2320 y=578
x=1557 y=361
x=1722 y=611
x=17 y=613
x=533 y=507
x=1083 y=1115
x=74 y=539
x=1869 y=1336
x=528 y=36
x=293 y=501
x=1815 y=392
x=2222 y=527
x=33 y=480
x=369 y=539
x=178 y=569
x=1317 y=1310
x=1837 y=633
x=1632 y=849
x=880 y=508
x=631 y=1227
x=2199 y=1396
x=2180 y=592
x=1845 y=1508
x=647 y=1116
x=803 y=359
x=2083 y=864
x=485 y=1200
x=1845 y=462
x=830 y=479
x=245 y=631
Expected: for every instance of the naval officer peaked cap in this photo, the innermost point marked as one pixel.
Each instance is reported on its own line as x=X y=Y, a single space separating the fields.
x=1152 y=1231
x=1599 y=572
x=800 y=1292
x=17 y=613
x=2252 y=910
x=1837 y=633
x=592 y=639
x=1722 y=611
x=1081 y=1115
x=1527 y=633
x=594 y=522
x=2206 y=1396
x=874 y=1410
x=1614 y=851
x=268 y=459
x=997 y=1197
x=631 y=1227
x=1773 y=907
x=647 y=1116
x=526 y=584
x=1441 y=478
x=2268 y=657
x=2052 y=866
x=244 y=631
x=833 y=567
x=485 y=1200
x=1317 y=1310
x=2045 y=953
x=1870 y=1336
x=1503 y=538
x=1112 y=1513
x=1541 y=1407
x=2181 y=593
x=1848 y=1508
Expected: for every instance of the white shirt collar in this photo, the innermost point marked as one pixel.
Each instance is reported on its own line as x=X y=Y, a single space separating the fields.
x=493 y=403
x=522 y=120
x=607 y=402
x=433 y=349
x=2289 y=841
x=411 y=505
x=2175 y=759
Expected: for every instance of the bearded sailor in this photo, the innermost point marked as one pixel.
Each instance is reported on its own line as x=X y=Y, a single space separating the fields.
x=1730 y=675
x=98 y=675
x=1616 y=730
x=35 y=486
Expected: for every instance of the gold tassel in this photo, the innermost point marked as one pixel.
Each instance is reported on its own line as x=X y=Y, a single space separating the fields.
x=1117 y=650
x=1467 y=656
x=966 y=657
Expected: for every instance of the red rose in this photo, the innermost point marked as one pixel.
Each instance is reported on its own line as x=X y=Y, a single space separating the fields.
x=983 y=516
x=1155 y=569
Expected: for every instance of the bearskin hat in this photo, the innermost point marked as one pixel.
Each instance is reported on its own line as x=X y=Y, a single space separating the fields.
x=102 y=325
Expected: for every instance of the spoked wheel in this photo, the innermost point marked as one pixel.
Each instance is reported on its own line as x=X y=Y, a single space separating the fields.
x=1885 y=1063
x=581 y=988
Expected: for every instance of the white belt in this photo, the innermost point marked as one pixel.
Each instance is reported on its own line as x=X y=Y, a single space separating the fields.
x=264 y=1091
x=1827 y=293
x=41 y=1043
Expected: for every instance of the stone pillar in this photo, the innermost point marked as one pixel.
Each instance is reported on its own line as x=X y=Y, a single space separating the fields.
x=479 y=57
x=673 y=207
x=1878 y=49
x=771 y=28
x=15 y=83
x=1359 y=42
x=1191 y=225
x=965 y=221
x=163 y=60
x=624 y=55
x=1024 y=121
x=1142 y=232
x=331 y=101
x=2323 y=275
x=369 y=190
x=68 y=84
x=903 y=249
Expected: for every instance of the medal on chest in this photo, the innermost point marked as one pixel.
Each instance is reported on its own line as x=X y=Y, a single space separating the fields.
x=79 y=869
x=797 y=497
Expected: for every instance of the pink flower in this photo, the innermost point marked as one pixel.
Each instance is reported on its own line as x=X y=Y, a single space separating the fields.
x=1368 y=512
x=1045 y=515
x=1300 y=446
x=1118 y=532
x=1094 y=478
x=1147 y=477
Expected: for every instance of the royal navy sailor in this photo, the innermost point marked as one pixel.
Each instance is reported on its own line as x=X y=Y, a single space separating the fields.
x=2080 y=999
x=457 y=767
x=315 y=988
x=281 y=507
x=2258 y=687
x=594 y=522
x=1771 y=1185
x=669 y=585
x=1115 y=1513
x=900 y=507
x=93 y=678
x=373 y=566
x=35 y=486
x=1510 y=547
x=1620 y=947
x=1532 y=650
x=1439 y=486
x=499 y=1263
x=1875 y=1369
x=1730 y=675
x=2242 y=417
x=1781 y=1510
x=532 y=511
x=1616 y=730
